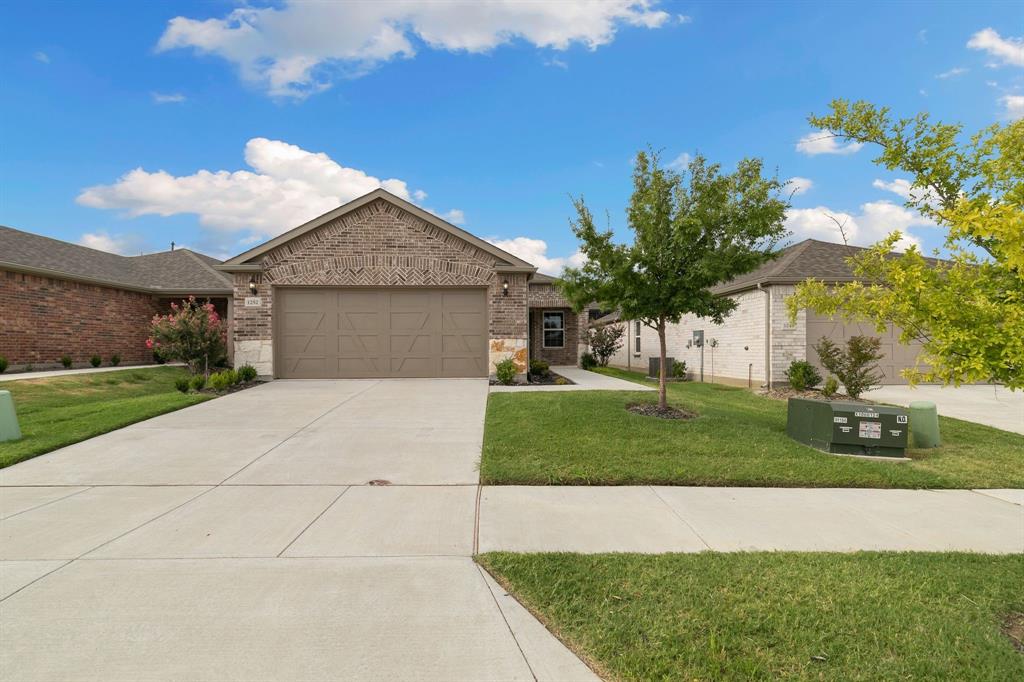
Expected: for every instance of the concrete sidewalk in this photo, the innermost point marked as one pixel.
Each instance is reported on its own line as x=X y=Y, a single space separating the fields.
x=656 y=519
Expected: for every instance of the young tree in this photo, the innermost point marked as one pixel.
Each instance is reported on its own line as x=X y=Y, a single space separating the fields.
x=966 y=311
x=856 y=366
x=687 y=237
x=604 y=341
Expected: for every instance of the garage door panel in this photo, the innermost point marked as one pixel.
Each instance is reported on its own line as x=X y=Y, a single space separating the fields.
x=364 y=333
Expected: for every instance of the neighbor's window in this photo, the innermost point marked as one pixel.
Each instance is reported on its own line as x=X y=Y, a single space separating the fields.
x=554 y=329
x=636 y=338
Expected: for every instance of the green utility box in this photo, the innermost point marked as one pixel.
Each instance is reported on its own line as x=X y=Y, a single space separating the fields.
x=848 y=428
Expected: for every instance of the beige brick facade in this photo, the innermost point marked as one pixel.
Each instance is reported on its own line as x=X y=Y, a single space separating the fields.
x=379 y=245
x=740 y=355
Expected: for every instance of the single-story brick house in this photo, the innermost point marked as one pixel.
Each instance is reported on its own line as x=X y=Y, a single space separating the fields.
x=65 y=299
x=757 y=342
x=375 y=288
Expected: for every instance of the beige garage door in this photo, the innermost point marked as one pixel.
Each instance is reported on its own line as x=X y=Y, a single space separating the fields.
x=897 y=356
x=332 y=333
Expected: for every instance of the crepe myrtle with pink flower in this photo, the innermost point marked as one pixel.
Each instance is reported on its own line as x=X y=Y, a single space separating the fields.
x=192 y=333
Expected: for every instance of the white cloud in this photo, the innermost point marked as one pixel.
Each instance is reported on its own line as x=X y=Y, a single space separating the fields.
x=874 y=222
x=681 y=162
x=797 y=185
x=555 y=61
x=952 y=73
x=419 y=195
x=821 y=142
x=123 y=244
x=898 y=186
x=287 y=187
x=295 y=49
x=169 y=98
x=535 y=252
x=455 y=216
x=1013 y=106
x=1008 y=50
x=41 y=57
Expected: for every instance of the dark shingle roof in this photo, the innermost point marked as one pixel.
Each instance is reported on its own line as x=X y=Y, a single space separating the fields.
x=177 y=271
x=810 y=258
x=541 y=278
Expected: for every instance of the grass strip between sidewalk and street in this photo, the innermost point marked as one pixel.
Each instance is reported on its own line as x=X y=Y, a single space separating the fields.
x=742 y=616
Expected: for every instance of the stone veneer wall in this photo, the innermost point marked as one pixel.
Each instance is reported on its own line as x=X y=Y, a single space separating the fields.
x=42 y=318
x=379 y=245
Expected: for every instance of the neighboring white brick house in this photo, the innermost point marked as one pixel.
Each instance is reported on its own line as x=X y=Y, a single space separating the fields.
x=758 y=335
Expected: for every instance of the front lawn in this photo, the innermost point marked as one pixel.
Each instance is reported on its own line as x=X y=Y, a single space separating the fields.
x=588 y=438
x=63 y=410
x=711 y=616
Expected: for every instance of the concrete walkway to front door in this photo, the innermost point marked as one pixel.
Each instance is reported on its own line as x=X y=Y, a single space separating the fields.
x=242 y=539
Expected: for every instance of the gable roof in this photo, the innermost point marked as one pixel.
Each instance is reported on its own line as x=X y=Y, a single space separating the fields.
x=166 y=272
x=506 y=259
x=826 y=261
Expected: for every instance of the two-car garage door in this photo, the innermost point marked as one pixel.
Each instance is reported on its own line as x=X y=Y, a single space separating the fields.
x=335 y=333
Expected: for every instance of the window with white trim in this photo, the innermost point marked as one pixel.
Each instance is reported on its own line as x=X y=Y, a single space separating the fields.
x=554 y=329
x=636 y=337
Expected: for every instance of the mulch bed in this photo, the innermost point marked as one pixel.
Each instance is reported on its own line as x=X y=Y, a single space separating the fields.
x=652 y=410
x=787 y=393
x=549 y=379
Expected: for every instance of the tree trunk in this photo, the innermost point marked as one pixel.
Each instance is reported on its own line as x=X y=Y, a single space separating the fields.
x=662 y=392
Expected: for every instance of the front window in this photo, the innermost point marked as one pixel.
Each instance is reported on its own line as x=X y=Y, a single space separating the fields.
x=554 y=329
x=636 y=338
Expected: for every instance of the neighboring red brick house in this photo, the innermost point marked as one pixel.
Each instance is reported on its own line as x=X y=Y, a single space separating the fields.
x=65 y=299
x=375 y=288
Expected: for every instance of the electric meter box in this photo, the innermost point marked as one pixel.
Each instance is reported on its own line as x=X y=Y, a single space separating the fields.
x=848 y=428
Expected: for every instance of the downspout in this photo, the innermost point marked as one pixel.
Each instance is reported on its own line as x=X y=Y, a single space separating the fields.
x=767 y=334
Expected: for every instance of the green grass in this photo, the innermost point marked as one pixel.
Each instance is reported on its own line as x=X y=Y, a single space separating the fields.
x=865 y=616
x=63 y=410
x=739 y=438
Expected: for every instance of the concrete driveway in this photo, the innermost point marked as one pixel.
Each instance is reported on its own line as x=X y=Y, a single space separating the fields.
x=240 y=539
x=990 y=405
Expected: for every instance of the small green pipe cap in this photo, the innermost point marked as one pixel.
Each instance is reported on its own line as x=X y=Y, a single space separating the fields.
x=8 y=418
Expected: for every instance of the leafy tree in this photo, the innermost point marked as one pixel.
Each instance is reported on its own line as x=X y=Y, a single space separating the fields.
x=966 y=311
x=605 y=340
x=192 y=333
x=856 y=366
x=687 y=237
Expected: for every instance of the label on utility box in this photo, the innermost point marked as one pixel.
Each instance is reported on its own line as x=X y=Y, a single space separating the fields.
x=838 y=420
x=870 y=430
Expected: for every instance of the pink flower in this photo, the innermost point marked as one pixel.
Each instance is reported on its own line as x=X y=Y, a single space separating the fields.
x=149 y=343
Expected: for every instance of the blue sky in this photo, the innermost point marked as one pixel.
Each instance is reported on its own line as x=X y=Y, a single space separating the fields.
x=128 y=125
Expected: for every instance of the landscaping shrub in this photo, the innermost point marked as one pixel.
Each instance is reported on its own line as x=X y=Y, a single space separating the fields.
x=29 y=367
x=505 y=371
x=679 y=369
x=95 y=361
x=539 y=367
x=66 y=361
x=115 y=360
x=561 y=381
x=182 y=384
x=197 y=382
x=223 y=380
x=588 y=361
x=247 y=373
x=831 y=387
x=802 y=375
x=3 y=364
x=193 y=333
x=158 y=357
x=604 y=341
x=856 y=366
